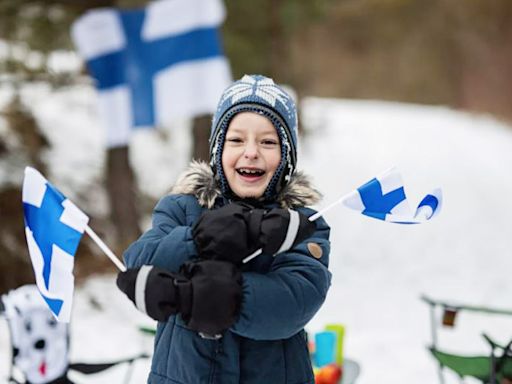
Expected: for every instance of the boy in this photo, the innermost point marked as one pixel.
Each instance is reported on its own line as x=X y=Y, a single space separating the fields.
x=222 y=320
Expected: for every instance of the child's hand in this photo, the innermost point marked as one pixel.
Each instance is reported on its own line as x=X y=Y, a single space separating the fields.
x=153 y=291
x=233 y=232
x=207 y=293
x=221 y=234
x=282 y=229
x=216 y=295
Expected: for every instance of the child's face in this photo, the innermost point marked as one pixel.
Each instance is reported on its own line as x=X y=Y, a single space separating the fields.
x=251 y=154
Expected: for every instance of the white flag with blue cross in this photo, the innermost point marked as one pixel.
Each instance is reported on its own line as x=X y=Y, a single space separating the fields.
x=384 y=198
x=53 y=227
x=154 y=64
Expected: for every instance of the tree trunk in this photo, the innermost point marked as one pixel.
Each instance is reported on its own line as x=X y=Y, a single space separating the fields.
x=486 y=83
x=278 y=54
x=200 y=134
x=121 y=193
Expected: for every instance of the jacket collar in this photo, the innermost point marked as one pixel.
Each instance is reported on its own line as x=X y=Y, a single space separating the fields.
x=198 y=180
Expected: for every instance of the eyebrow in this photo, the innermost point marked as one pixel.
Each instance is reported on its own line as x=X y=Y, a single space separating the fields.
x=239 y=131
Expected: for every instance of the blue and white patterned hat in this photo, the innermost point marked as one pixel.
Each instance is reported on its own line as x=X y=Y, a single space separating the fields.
x=258 y=94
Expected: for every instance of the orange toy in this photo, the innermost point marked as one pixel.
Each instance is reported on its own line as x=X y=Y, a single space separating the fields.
x=329 y=374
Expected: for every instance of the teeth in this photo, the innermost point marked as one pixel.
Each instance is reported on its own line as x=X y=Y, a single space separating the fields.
x=250 y=171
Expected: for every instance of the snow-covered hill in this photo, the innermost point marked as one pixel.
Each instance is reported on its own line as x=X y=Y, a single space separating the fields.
x=379 y=269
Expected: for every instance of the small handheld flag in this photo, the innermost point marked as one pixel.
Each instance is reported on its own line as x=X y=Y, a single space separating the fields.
x=383 y=198
x=53 y=227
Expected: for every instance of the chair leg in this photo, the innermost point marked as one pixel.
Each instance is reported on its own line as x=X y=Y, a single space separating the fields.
x=492 y=368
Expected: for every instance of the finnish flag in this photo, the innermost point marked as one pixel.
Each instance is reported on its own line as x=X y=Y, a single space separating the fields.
x=384 y=198
x=154 y=64
x=53 y=227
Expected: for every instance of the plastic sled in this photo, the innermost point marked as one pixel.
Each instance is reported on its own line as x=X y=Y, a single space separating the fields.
x=351 y=370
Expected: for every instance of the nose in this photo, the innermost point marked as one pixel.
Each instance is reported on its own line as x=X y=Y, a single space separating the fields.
x=40 y=344
x=251 y=151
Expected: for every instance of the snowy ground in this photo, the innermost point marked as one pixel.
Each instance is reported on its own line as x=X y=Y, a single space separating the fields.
x=379 y=269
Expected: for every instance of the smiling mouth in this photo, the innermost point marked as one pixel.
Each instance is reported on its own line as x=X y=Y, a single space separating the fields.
x=250 y=172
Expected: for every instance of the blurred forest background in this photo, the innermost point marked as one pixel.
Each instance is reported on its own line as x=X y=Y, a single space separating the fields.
x=450 y=52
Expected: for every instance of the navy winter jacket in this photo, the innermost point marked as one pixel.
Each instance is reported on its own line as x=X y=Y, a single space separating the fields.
x=267 y=344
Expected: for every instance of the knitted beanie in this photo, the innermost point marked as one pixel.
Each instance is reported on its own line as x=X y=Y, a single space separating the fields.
x=257 y=93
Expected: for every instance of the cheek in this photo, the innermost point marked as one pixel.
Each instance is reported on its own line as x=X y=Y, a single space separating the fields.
x=228 y=160
x=273 y=161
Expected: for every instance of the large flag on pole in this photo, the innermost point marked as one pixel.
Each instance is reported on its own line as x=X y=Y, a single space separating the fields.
x=154 y=64
x=384 y=198
x=53 y=227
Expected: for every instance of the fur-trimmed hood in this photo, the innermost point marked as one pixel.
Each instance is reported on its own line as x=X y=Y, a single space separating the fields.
x=198 y=180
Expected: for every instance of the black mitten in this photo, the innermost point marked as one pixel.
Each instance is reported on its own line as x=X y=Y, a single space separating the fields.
x=207 y=293
x=221 y=234
x=282 y=229
x=155 y=291
x=216 y=295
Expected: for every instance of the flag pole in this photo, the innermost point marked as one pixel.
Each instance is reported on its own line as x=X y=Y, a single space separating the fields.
x=105 y=249
x=252 y=255
x=332 y=205
x=310 y=218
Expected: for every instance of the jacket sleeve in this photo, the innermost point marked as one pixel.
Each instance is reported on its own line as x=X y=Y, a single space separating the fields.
x=280 y=303
x=169 y=243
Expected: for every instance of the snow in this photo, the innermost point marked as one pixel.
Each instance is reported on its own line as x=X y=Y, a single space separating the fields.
x=379 y=270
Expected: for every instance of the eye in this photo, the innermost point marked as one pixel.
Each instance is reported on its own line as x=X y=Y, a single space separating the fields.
x=28 y=326
x=234 y=140
x=52 y=322
x=269 y=142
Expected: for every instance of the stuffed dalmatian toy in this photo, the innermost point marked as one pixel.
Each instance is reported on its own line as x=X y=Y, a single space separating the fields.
x=40 y=344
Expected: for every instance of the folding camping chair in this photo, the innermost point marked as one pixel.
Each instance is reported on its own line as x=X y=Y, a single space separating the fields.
x=40 y=344
x=492 y=369
x=496 y=368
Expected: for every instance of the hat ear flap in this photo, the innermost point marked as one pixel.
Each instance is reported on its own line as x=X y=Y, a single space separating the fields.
x=216 y=159
x=213 y=155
